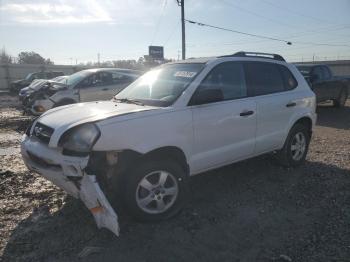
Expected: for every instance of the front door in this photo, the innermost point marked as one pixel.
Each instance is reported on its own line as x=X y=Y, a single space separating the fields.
x=224 y=131
x=98 y=86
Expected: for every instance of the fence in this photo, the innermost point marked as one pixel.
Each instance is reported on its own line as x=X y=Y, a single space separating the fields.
x=11 y=72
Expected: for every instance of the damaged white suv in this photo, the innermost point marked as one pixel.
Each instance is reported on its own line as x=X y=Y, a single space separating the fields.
x=177 y=120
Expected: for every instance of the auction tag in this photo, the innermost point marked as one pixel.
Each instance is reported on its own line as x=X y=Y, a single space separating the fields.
x=185 y=74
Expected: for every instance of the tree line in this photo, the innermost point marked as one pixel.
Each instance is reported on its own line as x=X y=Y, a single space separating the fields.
x=31 y=57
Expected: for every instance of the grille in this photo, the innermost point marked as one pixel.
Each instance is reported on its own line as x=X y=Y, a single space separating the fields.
x=43 y=132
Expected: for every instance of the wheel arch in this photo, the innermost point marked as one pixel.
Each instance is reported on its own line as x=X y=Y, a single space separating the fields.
x=169 y=152
x=306 y=121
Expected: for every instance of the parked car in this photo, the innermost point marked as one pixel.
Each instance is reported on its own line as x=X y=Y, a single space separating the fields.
x=324 y=84
x=17 y=85
x=175 y=121
x=37 y=84
x=83 y=86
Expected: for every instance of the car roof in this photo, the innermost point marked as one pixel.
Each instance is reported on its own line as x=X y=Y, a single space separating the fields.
x=199 y=60
x=309 y=65
x=114 y=69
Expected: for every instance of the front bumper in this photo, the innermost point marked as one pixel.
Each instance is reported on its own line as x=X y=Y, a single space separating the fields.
x=68 y=173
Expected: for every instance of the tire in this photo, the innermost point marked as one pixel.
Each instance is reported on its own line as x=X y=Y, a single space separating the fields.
x=341 y=100
x=136 y=196
x=297 y=141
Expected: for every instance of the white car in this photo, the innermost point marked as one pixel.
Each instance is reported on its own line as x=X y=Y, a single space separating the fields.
x=176 y=121
x=83 y=86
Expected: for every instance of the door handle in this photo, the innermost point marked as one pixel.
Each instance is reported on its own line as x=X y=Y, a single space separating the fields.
x=246 y=113
x=291 y=104
x=104 y=89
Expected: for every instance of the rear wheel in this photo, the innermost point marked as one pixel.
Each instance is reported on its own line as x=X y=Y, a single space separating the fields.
x=155 y=190
x=341 y=100
x=296 y=146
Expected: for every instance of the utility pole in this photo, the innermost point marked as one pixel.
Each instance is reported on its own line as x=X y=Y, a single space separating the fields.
x=98 y=59
x=182 y=4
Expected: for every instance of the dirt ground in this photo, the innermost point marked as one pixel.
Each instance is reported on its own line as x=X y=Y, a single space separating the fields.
x=251 y=211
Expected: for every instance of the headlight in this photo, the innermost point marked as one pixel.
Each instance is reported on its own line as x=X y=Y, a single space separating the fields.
x=80 y=139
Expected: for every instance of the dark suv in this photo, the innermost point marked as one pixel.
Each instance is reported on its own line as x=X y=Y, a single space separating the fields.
x=19 y=84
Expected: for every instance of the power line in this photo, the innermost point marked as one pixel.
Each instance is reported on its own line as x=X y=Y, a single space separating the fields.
x=266 y=37
x=276 y=22
x=238 y=32
x=172 y=32
x=295 y=12
x=159 y=20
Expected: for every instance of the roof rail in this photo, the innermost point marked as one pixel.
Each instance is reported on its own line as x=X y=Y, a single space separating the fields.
x=256 y=54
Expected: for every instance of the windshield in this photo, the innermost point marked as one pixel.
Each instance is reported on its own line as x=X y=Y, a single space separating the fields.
x=161 y=86
x=75 y=78
x=59 y=79
x=304 y=70
x=28 y=77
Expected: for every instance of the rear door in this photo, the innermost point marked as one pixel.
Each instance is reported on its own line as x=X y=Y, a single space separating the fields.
x=224 y=131
x=275 y=103
x=318 y=84
x=331 y=88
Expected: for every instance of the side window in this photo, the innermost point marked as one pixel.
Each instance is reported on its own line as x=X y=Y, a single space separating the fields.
x=263 y=78
x=289 y=81
x=119 y=78
x=40 y=75
x=227 y=77
x=326 y=73
x=104 y=78
x=317 y=73
x=88 y=81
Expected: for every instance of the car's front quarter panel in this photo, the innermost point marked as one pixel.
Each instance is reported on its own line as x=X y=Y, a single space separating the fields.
x=148 y=131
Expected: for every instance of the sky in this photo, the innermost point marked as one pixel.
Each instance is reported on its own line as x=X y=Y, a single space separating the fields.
x=70 y=31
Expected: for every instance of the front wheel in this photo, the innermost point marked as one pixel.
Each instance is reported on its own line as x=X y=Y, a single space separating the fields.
x=155 y=190
x=341 y=100
x=296 y=146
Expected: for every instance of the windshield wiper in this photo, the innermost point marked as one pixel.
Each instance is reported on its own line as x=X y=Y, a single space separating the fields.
x=129 y=101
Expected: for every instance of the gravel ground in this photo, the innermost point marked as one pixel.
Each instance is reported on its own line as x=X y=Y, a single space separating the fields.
x=250 y=211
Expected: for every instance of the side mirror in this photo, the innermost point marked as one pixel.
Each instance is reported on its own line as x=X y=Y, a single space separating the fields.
x=207 y=96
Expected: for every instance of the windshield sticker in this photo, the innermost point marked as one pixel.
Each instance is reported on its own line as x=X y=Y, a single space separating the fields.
x=185 y=74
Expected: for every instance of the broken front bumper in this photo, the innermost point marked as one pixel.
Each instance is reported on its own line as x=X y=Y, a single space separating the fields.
x=68 y=173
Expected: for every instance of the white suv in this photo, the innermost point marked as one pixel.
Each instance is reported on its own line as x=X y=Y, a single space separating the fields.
x=177 y=120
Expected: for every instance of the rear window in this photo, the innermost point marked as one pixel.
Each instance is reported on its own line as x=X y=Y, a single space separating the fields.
x=289 y=81
x=263 y=78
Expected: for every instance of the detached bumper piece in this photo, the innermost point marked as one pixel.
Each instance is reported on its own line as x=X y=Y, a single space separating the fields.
x=68 y=173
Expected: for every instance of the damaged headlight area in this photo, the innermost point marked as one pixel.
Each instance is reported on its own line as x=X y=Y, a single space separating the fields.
x=79 y=140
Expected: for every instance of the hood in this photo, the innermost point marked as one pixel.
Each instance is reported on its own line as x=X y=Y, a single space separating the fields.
x=64 y=117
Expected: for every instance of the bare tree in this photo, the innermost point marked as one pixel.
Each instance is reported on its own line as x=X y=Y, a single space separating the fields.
x=4 y=57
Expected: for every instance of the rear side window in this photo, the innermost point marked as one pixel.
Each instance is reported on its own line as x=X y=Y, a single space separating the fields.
x=288 y=78
x=326 y=73
x=119 y=78
x=317 y=73
x=263 y=78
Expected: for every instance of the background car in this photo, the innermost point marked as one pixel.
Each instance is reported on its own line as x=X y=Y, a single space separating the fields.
x=17 y=85
x=83 y=86
x=325 y=85
x=38 y=84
